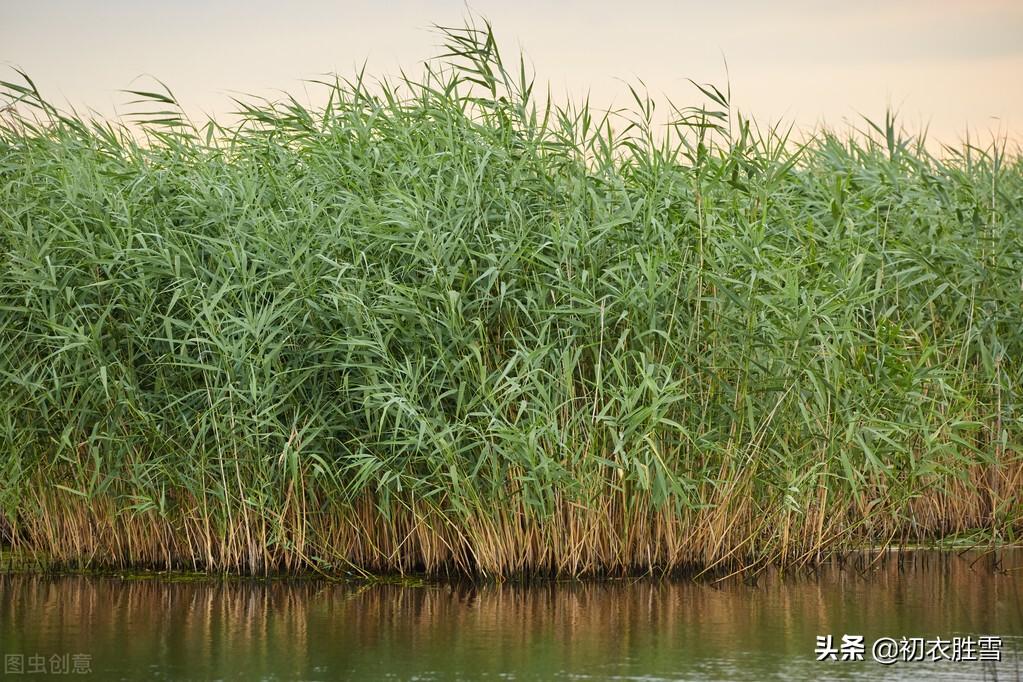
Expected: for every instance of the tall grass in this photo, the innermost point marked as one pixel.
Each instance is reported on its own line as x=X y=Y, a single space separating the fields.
x=446 y=325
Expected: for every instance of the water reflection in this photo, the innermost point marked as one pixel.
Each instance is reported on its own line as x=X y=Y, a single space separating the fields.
x=599 y=630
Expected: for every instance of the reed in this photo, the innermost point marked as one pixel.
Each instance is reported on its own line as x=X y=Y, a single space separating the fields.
x=448 y=325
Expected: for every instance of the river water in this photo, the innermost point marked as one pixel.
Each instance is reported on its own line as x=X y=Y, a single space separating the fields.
x=965 y=609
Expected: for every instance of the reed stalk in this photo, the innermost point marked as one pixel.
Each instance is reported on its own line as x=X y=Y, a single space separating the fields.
x=447 y=325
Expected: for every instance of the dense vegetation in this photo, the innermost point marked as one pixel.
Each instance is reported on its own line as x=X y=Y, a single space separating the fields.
x=446 y=325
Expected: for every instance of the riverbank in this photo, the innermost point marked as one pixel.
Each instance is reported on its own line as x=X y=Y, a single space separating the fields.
x=441 y=327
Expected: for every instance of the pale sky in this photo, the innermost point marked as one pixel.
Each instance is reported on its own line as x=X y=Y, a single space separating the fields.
x=955 y=66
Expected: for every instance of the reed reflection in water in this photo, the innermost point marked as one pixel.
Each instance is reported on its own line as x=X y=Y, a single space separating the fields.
x=597 y=630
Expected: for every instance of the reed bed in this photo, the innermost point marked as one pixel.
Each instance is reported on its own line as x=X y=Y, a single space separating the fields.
x=447 y=325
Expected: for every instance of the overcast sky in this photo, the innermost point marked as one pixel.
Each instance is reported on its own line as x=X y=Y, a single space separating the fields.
x=954 y=66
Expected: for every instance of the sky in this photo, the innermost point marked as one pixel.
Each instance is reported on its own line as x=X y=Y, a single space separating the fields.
x=952 y=67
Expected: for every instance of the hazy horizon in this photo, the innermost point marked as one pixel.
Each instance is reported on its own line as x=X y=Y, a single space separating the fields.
x=947 y=67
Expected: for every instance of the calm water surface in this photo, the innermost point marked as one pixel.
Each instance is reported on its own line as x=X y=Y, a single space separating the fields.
x=622 y=630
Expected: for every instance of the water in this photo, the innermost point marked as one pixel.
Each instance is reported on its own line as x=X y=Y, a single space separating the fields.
x=613 y=630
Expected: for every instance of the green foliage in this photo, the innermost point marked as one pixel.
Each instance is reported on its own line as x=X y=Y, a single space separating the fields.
x=462 y=327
